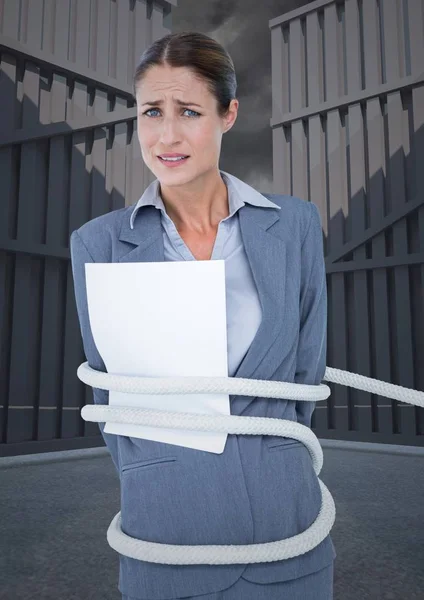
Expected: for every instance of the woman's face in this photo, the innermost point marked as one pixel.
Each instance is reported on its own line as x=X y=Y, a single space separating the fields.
x=193 y=129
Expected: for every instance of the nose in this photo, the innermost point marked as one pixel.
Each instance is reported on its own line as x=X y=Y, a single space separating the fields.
x=169 y=132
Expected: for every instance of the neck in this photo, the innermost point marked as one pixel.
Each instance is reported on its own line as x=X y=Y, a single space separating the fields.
x=198 y=206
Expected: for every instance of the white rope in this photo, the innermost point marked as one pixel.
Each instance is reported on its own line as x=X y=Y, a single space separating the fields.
x=375 y=386
x=201 y=385
x=246 y=387
x=228 y=554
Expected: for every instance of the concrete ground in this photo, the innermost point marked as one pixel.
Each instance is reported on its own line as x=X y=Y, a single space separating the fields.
x=57 y=507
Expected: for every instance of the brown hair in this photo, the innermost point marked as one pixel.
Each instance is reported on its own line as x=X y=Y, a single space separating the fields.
x=205 y=57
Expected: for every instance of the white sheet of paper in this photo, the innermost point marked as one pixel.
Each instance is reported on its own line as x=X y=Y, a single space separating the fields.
x=162 y=319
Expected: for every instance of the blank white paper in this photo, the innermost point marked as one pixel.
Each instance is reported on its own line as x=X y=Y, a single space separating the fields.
x=162 y=319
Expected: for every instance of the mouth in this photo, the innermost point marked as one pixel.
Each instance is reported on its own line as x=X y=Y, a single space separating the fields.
x=174 y=162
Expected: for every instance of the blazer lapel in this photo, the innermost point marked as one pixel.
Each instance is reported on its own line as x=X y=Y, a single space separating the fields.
x=146 y=237
x=267 y=258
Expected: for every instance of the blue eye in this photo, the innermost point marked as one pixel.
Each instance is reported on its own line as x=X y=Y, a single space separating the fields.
x=196 y=114
x=193 y=111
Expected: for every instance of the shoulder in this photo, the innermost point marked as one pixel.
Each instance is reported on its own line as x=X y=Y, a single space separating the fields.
x=110 y=221
x=296 y=214
x=98 y=231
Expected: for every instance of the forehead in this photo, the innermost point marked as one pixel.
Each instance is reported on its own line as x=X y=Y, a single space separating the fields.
x=166 y=79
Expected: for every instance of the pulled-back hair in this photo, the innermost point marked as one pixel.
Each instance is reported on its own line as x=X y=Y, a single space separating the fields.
x=205 y=57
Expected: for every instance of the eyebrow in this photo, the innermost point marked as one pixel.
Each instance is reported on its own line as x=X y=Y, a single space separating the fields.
x=179 y=102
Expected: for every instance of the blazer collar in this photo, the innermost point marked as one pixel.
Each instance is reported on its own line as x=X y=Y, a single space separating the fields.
x=239 y=193
x=266 y=254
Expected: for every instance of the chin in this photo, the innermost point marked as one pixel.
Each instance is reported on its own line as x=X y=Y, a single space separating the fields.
x=175 y=175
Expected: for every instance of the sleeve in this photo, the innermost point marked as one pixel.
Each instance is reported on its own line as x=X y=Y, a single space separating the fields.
x=312 y=348
x=79 y=257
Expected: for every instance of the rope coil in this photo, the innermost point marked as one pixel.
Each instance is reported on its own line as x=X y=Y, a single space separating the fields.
x=175 y=554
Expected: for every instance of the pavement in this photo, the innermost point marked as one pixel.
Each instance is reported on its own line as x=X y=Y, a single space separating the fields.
x=57 y=508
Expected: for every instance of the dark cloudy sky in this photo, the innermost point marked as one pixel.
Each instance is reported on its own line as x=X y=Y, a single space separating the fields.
x=241 y=26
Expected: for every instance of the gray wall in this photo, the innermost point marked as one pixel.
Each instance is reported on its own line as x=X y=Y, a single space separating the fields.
x=347 y=123
x=347 y=133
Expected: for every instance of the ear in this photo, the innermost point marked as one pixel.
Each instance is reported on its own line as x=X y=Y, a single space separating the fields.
x=231 y=116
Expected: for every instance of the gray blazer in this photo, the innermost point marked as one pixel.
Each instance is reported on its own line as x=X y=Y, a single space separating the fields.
x=261 y=488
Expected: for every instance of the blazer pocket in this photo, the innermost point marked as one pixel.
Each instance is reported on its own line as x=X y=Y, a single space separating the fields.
x=150 y=462
x=284 y=444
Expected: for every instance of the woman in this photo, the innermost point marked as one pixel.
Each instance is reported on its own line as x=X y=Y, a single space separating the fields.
x=261 y=488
